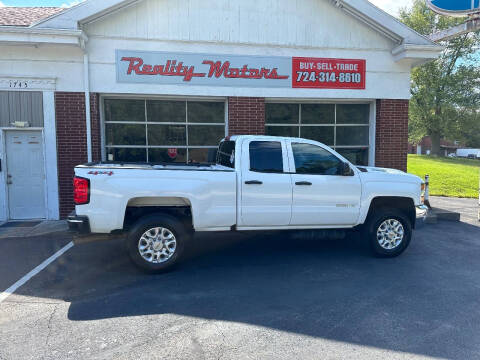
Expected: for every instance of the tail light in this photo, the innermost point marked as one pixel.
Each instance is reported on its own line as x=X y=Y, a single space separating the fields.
x=81 y=190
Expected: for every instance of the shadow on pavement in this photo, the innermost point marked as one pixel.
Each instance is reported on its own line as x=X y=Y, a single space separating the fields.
x=424 y=302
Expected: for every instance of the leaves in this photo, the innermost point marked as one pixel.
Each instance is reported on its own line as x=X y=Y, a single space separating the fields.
x=445 y=92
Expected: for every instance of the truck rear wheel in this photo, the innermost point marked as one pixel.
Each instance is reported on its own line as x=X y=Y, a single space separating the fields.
x=156 y=242
x=389 y=232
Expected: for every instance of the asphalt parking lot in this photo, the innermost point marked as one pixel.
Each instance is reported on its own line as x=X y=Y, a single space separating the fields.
x=241 y=297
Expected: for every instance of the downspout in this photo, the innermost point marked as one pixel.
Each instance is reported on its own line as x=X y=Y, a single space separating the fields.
x=86 y=84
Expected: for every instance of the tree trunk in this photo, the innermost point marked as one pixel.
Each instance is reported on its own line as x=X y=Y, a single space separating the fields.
x=435 y=137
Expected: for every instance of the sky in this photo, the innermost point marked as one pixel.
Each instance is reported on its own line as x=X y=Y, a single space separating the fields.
x=390 y=6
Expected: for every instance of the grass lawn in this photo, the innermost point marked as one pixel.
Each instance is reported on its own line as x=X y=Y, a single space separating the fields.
x=448 y=176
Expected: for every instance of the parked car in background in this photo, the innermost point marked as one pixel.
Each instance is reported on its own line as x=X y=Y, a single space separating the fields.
x=257 y=183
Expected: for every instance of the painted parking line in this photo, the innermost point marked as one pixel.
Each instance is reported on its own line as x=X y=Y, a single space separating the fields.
x=4 y=295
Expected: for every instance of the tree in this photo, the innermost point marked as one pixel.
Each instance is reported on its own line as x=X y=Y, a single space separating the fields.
x=446 y=91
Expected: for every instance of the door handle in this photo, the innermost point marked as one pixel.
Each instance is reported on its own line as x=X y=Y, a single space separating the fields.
x=9 y=182
x=303 y=183
x=253 y=182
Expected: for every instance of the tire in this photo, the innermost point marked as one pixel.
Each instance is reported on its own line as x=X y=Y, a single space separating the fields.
x=383 y=232
x=162 y=248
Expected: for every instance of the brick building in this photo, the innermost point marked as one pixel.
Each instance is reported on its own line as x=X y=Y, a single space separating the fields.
x=165 y=80
x=424 y=147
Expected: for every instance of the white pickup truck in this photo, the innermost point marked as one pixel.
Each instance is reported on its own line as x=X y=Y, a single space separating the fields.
x=257 y=183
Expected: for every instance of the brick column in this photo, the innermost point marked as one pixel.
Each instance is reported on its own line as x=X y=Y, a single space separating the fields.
x=72 y=140
x=246 y=116
x=95 y=126
x=391 y=138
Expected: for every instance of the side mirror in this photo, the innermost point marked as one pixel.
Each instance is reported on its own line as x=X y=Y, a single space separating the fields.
x=346 y=170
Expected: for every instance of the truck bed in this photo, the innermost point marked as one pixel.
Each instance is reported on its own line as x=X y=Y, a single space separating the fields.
x=155 y=166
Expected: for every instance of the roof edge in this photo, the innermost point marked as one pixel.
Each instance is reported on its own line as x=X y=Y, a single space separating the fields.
x=74 y=16
x=28 y=36
x=376 y=17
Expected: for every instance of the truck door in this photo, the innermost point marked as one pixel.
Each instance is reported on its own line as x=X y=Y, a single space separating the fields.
x=266 y=187
x=322 y=195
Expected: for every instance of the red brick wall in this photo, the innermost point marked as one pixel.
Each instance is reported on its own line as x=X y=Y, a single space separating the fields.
x=391 y=139
x=246 y=116
x=71 y=140
x=95 y=126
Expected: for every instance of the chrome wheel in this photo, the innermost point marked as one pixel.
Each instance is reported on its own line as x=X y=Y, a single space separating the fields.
x=390 y=234
x=157 y=245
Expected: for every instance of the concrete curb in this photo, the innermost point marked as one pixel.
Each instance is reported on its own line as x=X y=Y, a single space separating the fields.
x=434 y=215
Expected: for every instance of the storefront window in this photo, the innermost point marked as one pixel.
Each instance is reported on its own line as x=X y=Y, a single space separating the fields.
x=344 y=127
x=161 y=131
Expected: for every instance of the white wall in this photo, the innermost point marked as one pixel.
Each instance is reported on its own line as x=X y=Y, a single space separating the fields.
x=313 y=28
x=50 y=139
x=299 y=23
x=65 y=63
x=249 y=27
x=3 y=174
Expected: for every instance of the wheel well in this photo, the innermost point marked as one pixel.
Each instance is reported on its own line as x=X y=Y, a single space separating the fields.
x=404 y=204
x=182 y=213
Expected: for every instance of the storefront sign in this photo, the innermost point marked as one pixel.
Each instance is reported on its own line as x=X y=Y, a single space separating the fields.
x=239 y=71
x=328 y=73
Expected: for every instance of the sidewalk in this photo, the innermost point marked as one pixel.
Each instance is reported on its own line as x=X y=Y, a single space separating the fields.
x=45 y=227
x=468 y=208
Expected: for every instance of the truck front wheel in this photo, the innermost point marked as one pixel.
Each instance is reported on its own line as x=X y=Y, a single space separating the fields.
x=156 y=242
x=389 y=232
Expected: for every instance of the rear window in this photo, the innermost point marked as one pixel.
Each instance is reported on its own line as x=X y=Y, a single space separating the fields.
x=266 y=156
x=226 y=154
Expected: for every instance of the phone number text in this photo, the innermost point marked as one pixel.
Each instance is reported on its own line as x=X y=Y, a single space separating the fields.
x=328 y=77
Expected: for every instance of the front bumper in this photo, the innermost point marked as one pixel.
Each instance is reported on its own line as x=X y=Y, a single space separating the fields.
x=78 y=223
x=422 y=213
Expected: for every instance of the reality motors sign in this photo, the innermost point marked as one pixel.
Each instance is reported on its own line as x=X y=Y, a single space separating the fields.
x=239 y=71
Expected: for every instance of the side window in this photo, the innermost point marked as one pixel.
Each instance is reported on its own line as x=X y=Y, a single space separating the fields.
x=226 y=154
x=266 y=156
x=312 y=159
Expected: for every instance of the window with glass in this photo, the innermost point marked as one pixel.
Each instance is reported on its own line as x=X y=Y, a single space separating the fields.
x=226 y=154
x=343 y=127
x=314 y=160
x=266 y=156
x=163 y=131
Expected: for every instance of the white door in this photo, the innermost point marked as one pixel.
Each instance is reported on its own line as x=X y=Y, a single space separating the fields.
x=25 y=175
x=266 y=197
x=321 y=194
